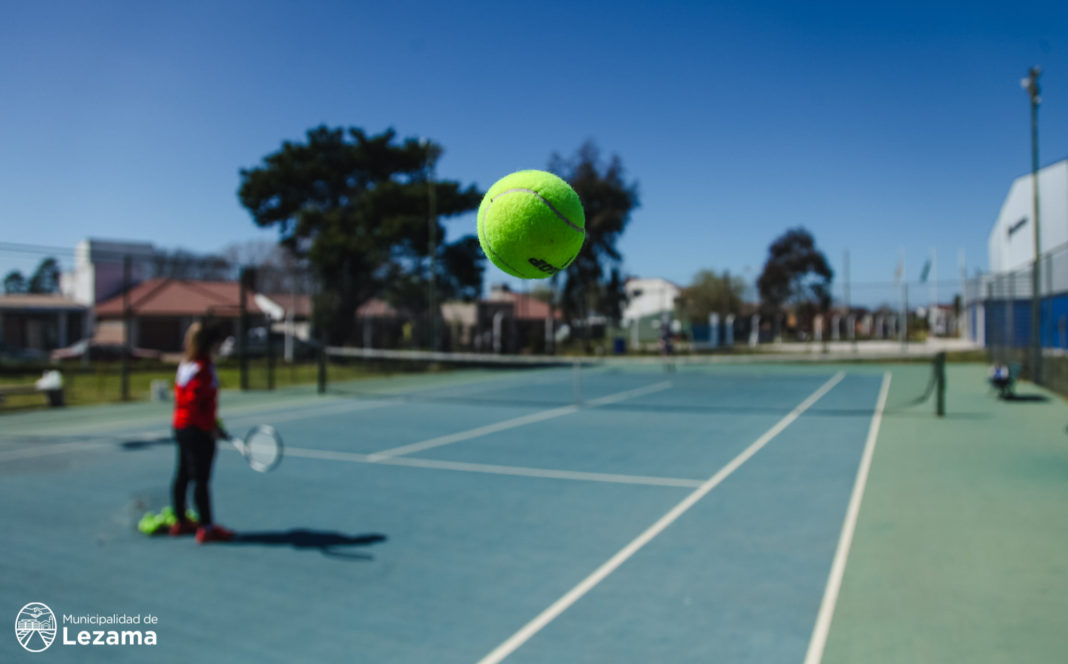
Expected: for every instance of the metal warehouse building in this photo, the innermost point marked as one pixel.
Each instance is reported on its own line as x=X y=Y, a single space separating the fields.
x=999 y=303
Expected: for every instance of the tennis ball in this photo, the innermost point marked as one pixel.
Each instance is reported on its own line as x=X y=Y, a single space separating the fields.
x=531 y=224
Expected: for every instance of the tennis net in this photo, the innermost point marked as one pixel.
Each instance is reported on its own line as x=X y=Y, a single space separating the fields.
x=680 y=383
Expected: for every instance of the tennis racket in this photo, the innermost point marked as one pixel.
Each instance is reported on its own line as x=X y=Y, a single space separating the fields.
x=261 y=447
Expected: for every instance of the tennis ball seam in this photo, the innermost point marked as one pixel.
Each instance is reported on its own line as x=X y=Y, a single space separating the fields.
x=489 y=246
x=543 y=200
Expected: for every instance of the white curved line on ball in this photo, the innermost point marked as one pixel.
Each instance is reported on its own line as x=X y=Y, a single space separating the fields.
x=488 y=247
x=543 y=200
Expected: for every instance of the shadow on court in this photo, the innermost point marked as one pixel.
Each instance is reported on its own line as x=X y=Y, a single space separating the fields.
x=331 y=544
x=1026 y=398
x=134 y=445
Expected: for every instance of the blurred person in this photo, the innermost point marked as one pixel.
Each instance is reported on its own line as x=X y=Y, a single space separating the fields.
x=667 y=348
x=196 y=428
x=1001 y=379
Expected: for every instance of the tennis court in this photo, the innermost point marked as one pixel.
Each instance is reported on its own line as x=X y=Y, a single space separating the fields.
x=632 y=513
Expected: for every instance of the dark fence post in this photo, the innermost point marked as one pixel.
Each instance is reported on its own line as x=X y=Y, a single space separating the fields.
x=322 y=359
x=245 y=281
x=127 y=347
x=940 y=384
x=270 y=354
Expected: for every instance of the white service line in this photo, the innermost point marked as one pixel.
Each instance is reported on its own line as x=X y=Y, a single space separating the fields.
x=280 y=405
x=523 y=420
x=513 y=423
x=491 y=469
x=629 y=394
x=307 y=413
x=39 y=451
x=613 y=563
x=104 y=441
x=845 y=541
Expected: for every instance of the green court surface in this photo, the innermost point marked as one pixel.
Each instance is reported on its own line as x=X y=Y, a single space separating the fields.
x=961 y=553
x=691 y=515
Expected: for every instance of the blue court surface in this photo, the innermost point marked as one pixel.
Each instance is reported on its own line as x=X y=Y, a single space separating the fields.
x=664 y=516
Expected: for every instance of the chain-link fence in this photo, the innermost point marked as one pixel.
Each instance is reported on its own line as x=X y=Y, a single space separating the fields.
x=108 y=320
x=900 y=312
x=999 y=315
x=115 y=328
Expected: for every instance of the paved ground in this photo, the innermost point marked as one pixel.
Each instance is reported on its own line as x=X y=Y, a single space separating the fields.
x=687 y=516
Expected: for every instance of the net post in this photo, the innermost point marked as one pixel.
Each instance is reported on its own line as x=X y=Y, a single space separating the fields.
x=940 y=383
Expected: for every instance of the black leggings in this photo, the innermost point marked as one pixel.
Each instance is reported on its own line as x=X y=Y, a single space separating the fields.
x=196 y=454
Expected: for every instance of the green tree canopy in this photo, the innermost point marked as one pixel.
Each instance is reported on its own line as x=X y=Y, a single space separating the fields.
x=594 y=282
x=45 y=278
x=357 y=208
x=796 y=274
x=711 y=292
x=14 y=283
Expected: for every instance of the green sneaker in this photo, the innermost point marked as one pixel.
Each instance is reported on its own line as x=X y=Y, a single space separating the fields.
x=158 y=524
x=151 y=524
x=167 y=517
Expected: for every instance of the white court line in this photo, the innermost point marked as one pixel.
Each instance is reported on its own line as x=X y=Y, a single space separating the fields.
x=513 y=423
x=591 y=581
x=491 y=469
x=629 y=394
x=237 y=411
x=103 y=441
x=30 y=452
x=845 y=541
x=325 y=409
x=473 y=433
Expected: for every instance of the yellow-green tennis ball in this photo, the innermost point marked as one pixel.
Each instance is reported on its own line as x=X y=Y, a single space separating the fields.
x=531 y=224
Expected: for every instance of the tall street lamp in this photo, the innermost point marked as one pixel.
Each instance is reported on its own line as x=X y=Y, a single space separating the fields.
x=1030 y=84
x=432 y=154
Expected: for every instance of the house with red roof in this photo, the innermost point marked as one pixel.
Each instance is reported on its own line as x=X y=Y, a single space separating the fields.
x=161 y=309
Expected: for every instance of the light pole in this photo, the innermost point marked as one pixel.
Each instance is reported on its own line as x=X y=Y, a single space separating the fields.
x=432 y=243
x=1030 y=84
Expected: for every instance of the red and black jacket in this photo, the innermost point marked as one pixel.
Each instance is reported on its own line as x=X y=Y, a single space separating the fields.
x=196 y=390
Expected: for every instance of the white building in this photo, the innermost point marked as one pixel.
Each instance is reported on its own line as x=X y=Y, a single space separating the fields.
x=98 y=269
x=997 y=302
x=98 y=273
x=1012 y=241
x=649 y=302
x=649 y=297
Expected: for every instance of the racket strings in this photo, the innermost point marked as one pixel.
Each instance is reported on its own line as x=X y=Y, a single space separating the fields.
x=263 y=449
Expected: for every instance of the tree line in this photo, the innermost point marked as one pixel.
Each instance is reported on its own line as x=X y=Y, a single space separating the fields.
x=364 y=212
x=364 y=215
x=45 y=279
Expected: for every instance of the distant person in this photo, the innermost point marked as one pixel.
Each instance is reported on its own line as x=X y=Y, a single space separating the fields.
x=1001 y=379
x=196 y=429
x=667 y=348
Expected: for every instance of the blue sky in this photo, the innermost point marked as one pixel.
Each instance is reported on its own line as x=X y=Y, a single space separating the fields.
x=880 y=127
